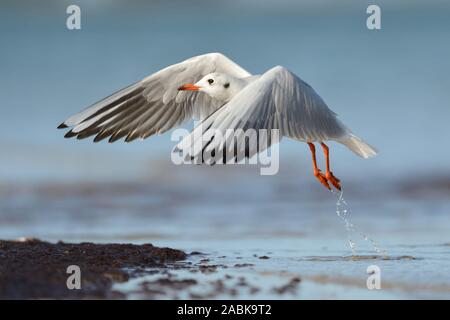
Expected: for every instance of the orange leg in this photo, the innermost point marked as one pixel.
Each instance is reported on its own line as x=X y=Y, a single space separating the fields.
x=319 y=175
x=329 y=175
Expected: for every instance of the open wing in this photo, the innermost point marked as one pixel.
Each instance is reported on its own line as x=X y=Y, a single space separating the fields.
x=153 y=105
x=277 y=100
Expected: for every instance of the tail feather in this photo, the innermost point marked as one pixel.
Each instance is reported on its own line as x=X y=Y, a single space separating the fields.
x=358 y=146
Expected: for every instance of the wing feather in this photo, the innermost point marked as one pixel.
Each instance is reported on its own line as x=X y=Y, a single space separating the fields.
x=153 y=105
x=276 y=100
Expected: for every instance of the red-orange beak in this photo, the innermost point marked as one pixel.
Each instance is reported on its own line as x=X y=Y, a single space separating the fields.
x=189 y=86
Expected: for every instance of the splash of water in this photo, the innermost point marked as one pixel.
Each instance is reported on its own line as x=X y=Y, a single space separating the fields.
x=342 y=212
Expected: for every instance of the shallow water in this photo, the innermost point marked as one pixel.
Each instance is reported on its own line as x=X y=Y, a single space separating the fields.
x=234 y=224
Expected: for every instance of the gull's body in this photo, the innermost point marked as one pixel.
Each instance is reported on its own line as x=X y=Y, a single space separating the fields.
x=223 y=95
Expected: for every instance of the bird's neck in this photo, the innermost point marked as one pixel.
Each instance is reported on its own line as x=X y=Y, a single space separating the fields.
x=238 y=84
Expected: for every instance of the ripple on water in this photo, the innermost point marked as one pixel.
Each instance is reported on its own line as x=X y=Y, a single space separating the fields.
x=357 y=258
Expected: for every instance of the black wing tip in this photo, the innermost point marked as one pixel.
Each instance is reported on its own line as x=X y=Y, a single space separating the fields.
x=113 y=139
x=101 y=136
x=70 y=134
x=62 y=126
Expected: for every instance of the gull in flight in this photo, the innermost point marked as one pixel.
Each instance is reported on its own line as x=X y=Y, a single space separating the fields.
x=222 y=95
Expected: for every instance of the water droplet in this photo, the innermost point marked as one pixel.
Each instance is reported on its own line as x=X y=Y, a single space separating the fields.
x=350 y=227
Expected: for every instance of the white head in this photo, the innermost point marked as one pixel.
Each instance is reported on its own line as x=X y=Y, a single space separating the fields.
x=219 y=86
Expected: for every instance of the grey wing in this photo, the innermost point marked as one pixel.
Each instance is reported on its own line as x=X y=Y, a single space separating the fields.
x=153 y=105
x=278 y=101
x=302 y=113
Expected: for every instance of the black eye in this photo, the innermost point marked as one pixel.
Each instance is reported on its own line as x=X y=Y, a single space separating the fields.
x=226 y=85
x=210 y=81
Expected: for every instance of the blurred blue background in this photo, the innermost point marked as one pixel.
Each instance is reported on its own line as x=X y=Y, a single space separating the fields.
x=391 y=86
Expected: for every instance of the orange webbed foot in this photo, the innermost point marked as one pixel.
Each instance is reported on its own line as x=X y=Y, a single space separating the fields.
x=322 y=179
x=334 y=181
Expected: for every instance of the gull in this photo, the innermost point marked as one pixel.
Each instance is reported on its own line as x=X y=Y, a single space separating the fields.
x=222 y=95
